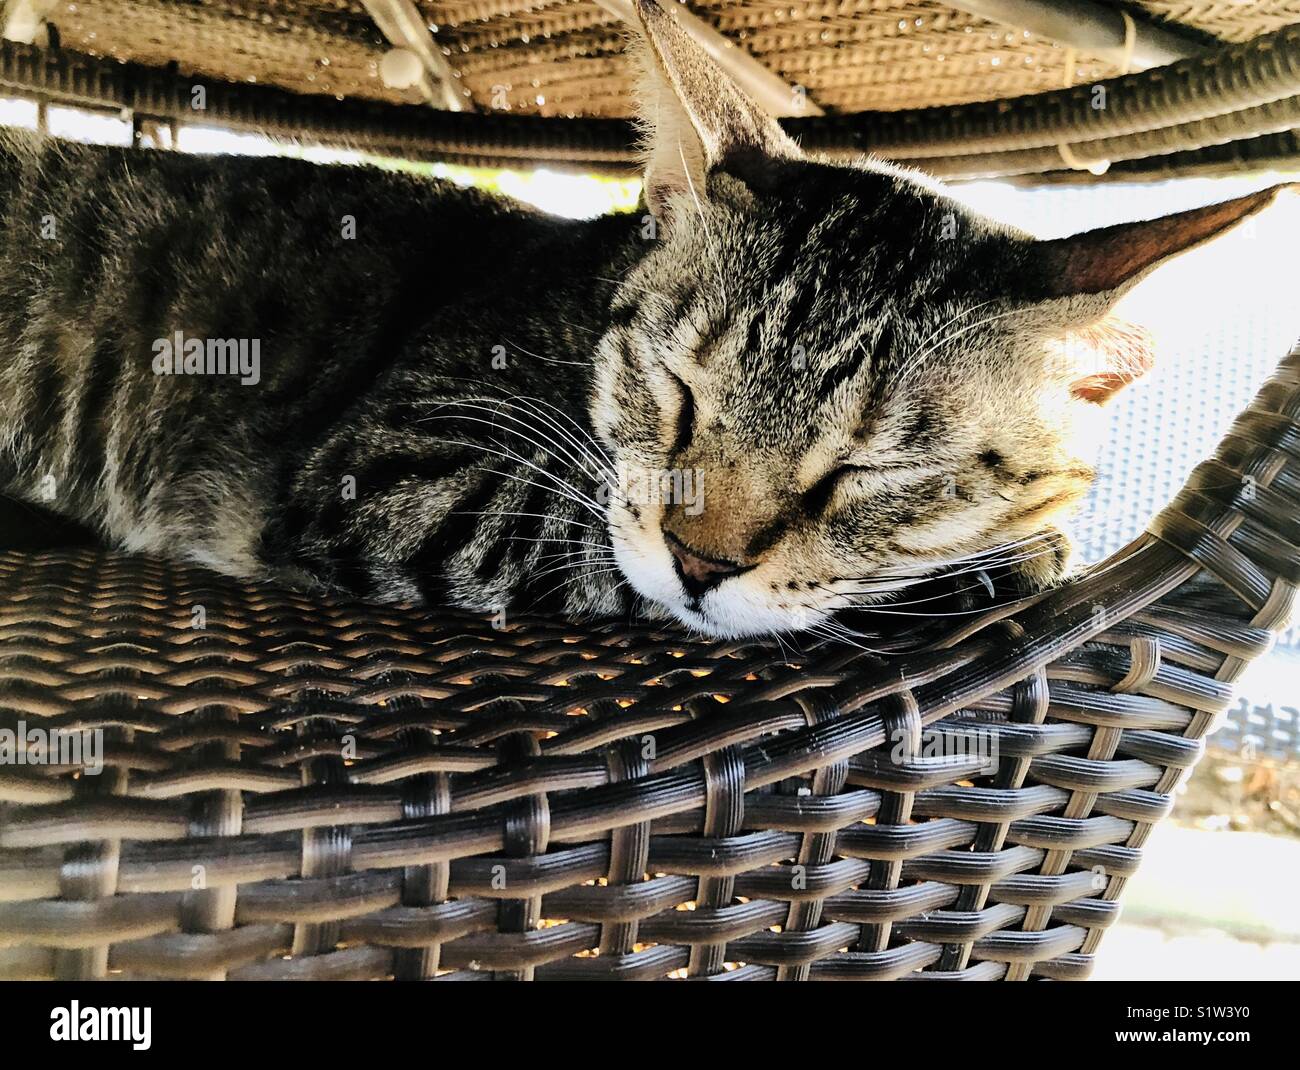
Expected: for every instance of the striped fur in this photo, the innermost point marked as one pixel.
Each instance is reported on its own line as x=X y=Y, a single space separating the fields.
x=460 y=399
x=429 y=361
x=372 y=348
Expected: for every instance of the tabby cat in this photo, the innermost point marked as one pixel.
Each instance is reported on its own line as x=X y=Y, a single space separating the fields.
x=796 y=384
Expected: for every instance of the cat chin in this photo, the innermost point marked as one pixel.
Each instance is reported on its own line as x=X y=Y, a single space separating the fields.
x=728 y=616
x=731 y=611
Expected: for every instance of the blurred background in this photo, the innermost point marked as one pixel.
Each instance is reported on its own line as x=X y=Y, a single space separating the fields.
x=1214 y=897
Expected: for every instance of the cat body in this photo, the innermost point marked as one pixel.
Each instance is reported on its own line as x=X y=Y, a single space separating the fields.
x=795 y=386
x=379 y=307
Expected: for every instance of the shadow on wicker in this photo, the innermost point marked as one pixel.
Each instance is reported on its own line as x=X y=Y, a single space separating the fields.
x=296 y=788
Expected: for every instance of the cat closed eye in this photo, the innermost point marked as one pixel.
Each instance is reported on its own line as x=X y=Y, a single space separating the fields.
x=685 y=414
x=818 y=496
x=845 y=470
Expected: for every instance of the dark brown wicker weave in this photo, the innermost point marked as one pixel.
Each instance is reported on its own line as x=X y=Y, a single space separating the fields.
x=306 y=789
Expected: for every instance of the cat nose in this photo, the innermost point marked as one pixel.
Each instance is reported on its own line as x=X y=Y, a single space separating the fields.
x=697 y=572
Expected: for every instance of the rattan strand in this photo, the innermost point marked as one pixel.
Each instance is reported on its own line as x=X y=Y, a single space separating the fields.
x=1278 y=117
x=1254 y=156
x=1227 y=20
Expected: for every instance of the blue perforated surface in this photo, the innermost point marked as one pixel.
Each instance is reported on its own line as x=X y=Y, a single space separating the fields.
x=1222 y=317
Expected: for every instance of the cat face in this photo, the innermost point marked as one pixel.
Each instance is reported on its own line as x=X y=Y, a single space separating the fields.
x=801 y=423
x=826 y=380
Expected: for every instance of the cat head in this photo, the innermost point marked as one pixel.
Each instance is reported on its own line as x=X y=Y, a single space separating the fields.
x=827 y=379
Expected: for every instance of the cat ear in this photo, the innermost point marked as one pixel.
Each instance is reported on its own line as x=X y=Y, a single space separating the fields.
x=697 y=121
x=1106 y=356
x=1078 y=279
x=1103 y=265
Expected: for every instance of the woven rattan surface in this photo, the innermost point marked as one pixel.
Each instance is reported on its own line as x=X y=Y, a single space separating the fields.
x=299 y=788
x=565 y=57
x=1241 y=98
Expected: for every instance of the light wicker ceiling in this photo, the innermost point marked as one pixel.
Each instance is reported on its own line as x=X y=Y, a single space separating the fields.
x=564 y=57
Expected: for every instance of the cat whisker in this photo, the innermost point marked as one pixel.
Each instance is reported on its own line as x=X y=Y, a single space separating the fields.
x=535 y=516
x=839 y=634
x=886 y=607
x=959 y=314
x=980 y=572
x=704 y=222
x=546 y=594
x=577 y=452
x=533 y=402
x=869 y=598
x=985 y=558
x=592 y=462
x=576 y=565
x=586 y=553
x=628 y=285
x=780 y=642
x=560 y=542
x=559 y=485
x=853 y=594
x=548 y=360
x=564 y=566
x=843 y=629
x=916 y=361
x=1000 y=562
x=547 y=441
x=886 y=610
x=575 y=326
x=497 y=405
x=542 y=446
x=563 y=489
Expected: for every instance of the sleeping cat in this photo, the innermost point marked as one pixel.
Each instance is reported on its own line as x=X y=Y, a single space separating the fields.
x=794 y=385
